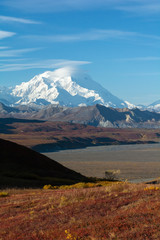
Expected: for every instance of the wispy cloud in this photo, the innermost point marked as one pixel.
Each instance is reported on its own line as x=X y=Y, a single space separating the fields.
x=143 y=6
x=47 y=64
x=17 y=52
x=4 y=34
x=57 y=6
x=92 y=35
x=140 y=74
x=3 y=47
x=137 y=59
x=10 y=60
x=19 y=20
x=97 y=34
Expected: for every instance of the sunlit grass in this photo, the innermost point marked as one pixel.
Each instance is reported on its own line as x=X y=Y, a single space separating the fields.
x=108 y=211
x=83 y=185
x=4 y=194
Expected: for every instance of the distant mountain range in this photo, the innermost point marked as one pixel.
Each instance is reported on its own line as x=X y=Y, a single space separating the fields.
x=96 y=115
x=154 y=106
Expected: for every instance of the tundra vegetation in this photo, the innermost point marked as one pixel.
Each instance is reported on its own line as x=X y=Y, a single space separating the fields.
x=85 y=211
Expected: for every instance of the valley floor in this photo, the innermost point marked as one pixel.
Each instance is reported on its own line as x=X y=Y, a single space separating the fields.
x=137 y=163
x=117 y=211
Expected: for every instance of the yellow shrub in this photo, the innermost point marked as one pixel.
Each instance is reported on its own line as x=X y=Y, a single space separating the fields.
x=47 y=187
x=4 y=194
x=151 y=188
x=81 y=185
x=69 y=236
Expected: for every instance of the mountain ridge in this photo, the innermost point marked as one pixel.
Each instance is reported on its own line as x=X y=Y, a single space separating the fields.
x=95 y=115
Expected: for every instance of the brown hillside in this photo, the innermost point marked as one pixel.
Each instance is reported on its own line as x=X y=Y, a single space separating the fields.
x=49 y=136
x=23 y=167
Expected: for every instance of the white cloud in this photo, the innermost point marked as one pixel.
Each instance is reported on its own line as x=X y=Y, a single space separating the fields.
x=17 y=52
x=19 y=20
x=57 y=5
x=92 y=35
x=13 y=59
x=47 y=64
x=141 y=74
x=3 y=47
x=4 y=34
x=143 y=6
x=140 y=59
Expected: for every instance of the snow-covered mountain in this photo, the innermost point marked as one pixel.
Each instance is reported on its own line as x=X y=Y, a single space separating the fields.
x=6 y=97
x=67 y=87
x=155 y=106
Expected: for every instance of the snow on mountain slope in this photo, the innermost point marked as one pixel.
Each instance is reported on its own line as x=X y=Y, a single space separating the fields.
x=130 y=105
x=65 y=86
x=6 y=97
x=155 y=106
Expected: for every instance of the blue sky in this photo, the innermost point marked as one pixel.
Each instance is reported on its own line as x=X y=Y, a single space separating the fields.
x=116 y=41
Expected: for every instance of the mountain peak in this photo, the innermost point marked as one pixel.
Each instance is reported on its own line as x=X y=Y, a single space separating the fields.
x=67 y=86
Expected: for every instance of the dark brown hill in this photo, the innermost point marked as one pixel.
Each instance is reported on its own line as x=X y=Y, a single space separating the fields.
x=23 y=167
x=7 y=124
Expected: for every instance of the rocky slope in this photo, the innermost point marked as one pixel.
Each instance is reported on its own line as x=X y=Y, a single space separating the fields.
x=96 y=115
x=99 y=115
